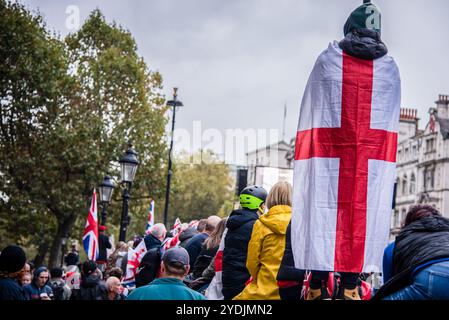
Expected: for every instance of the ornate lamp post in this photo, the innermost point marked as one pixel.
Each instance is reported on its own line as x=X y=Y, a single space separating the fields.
x=128 y=165
x=106 y=189
x=172 y=103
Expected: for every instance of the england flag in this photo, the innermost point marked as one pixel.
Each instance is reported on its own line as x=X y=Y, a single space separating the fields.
x=345 y=163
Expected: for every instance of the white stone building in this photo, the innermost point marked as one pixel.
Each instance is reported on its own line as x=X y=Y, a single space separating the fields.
x=422 y=162
x=277 y=155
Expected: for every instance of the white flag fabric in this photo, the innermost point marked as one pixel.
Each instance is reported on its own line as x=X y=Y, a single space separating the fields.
x=345 y=159
x=213 y=291
x=134 y=258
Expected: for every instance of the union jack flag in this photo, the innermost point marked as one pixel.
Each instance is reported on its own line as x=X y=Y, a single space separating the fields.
x=90 y=238
x=150 y=222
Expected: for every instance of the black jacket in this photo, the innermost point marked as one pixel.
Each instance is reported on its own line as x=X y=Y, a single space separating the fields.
x=240 y=226
x=149 y=267
x=151 y=242
x=420 y=242
x=203 y=260
x=91 y=288
x=103 y=244
x=186 y=235
x=364 y=44
x=288 y=274
x=194 y=246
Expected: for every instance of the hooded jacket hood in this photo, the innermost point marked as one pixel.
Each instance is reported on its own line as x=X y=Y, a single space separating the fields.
x=37 y=273
x=277 y=219
x=240 y=217
x=188 y=233
x=91 y=280
x=364 y=44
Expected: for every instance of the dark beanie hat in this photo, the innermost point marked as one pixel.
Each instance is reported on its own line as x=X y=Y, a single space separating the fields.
x=72 y=259
x=12 y=259
x=56 y=273
x=367 y=16
x=89 y=267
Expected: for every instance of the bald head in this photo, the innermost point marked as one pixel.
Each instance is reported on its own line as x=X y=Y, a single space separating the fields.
x=211 y=223
x=112 y=283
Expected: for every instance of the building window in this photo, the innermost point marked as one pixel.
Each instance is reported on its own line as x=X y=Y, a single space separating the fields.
x=399 y=155
x=429 y=178
x=430 y=145
x=412 y=184
x=404 y=185
x=414 y=151
x=406 y=155
x=398 y=187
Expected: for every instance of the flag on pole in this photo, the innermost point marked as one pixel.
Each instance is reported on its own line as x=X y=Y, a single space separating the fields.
x=345 y=163
x=176 y=227
x=134 y=258
x=150 y=222
x=90 y=238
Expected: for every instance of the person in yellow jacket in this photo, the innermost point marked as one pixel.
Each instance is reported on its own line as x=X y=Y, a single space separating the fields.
x=267 y=245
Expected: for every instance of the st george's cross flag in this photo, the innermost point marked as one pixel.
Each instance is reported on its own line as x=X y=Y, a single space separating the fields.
x=150 y=222
x=345 y=157
x=90 y=238
x=176 y=227
x=213 y=291
x=134 y=258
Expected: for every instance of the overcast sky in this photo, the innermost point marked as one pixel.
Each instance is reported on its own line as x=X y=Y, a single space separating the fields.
x=236 y=62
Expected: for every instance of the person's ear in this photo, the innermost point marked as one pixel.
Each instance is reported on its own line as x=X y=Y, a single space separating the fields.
x=162 y=267
x=187 y=270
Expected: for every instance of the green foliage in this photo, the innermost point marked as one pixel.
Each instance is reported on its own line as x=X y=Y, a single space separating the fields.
x=202 y=187
x=68 y=109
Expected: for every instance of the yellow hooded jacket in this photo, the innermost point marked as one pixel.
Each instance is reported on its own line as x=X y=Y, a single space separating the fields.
x=265 y=252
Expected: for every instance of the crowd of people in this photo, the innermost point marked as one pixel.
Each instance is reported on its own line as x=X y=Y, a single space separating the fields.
x=250 y=250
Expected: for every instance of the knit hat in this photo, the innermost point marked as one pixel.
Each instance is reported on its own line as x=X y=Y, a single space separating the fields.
x=367 y=16
x=89 y=267
x=12 y=259
x=72 y=259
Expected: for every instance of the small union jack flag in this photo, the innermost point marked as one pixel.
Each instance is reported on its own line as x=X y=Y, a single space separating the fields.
x=90 y=238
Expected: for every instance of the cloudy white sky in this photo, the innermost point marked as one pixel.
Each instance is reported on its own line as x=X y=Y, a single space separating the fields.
x=236 y=62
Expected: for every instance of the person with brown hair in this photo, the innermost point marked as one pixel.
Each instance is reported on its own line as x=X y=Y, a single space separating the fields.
x=418 y=260
x=267 y=245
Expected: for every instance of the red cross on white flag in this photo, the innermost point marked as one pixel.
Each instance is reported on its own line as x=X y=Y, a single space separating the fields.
x=345 y=163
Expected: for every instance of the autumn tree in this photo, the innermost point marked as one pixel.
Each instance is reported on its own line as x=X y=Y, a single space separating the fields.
x=203 y=186
x=68 y=108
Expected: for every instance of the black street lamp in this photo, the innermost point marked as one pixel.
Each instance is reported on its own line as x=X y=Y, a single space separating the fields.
x=172 y=103
x=128 y=165
x=106 y=189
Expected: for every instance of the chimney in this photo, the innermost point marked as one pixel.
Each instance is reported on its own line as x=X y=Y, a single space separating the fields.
x=442 y=106
x=408 y=123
